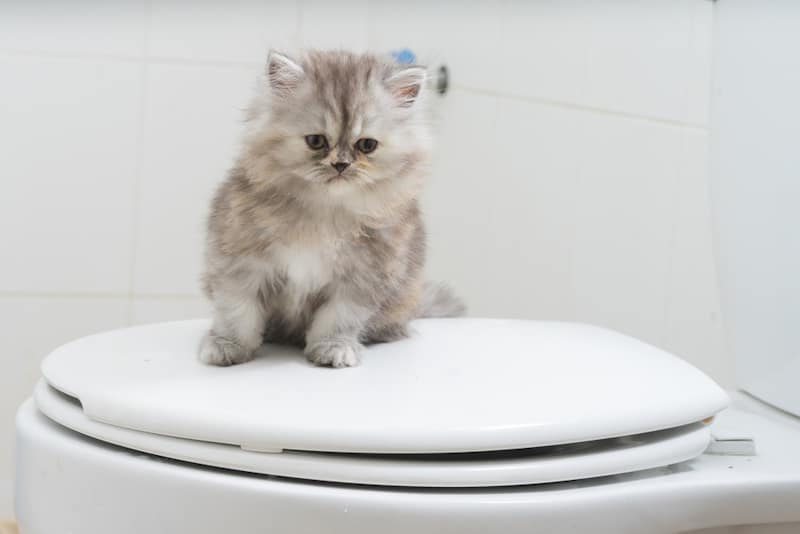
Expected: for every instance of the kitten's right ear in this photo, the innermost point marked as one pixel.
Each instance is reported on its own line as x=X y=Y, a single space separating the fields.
x=284 y=74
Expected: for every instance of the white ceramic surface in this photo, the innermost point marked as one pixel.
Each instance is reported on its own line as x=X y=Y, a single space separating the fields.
x=527 y=466
x=70 y=483
x=455 y=385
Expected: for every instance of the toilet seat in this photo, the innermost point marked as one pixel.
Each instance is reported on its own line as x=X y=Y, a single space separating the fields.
x=504 y=468
x=513 y=421
x=67 y=482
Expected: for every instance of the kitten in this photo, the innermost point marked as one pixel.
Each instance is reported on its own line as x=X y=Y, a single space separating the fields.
x=315 y=238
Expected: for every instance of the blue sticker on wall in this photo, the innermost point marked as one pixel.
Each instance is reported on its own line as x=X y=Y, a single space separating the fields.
x=404 y=56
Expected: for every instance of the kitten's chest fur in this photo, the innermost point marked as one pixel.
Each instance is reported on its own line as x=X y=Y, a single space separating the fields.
x=303 y=267
x=300 y=275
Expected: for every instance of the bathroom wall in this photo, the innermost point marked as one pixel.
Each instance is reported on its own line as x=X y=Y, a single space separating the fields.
x=570 y=183
x=754 y=171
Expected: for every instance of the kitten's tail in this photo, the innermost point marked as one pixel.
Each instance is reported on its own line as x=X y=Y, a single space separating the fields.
x=438 y=300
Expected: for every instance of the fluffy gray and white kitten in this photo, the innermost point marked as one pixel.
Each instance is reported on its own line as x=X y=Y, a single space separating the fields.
x=315 y=238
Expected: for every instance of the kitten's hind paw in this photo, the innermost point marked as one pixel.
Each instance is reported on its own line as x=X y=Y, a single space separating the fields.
x=334 y=352
x=218 y=350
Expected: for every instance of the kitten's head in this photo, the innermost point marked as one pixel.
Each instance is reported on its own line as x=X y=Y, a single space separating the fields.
x=340 y=124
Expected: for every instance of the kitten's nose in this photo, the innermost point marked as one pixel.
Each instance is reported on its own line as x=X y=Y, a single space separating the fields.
x=340 y=166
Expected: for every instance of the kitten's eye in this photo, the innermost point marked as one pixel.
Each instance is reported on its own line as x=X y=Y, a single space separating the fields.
x=366 y=145
x=316 y=141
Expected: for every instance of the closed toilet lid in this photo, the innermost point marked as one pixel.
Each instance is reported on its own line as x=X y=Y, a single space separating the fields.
x=465 y=470
x=454 y=386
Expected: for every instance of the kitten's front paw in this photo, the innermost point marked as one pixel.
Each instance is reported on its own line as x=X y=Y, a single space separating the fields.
x=218 y=350
x=334 y=352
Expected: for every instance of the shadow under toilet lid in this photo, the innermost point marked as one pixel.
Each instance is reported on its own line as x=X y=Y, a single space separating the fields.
x=456 y=385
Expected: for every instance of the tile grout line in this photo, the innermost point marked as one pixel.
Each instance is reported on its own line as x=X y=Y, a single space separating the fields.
x=98 y=295
x=709 y=168
x=579 y=107
x=156 y=60
x=678 y=184
x=159 y=60
x=137 y=174
x=677 y=189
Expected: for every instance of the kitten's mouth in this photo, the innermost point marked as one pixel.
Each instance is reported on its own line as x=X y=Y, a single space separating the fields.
x=338 y=178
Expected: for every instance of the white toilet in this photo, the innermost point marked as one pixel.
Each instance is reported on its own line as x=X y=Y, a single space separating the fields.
x=471 y=425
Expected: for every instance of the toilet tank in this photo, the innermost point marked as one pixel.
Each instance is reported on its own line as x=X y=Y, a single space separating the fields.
x=755 y=191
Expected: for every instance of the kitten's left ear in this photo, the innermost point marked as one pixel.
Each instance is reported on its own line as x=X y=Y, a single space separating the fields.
x=406 y=84
x=284 y=73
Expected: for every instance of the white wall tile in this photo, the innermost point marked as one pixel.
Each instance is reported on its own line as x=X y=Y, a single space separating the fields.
x=32 y=327
x=333 y=25
x=68 y=151
x=113 y=27
x=534 y=210
x=465 y=36
x=459 y=199
x=641 y=56
x=694 y=329
x=192 y=124
x=153 y=310
x=650 y=59
x=499 y=206
x=624 y=219
x=543 y=50
x=239 y=31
